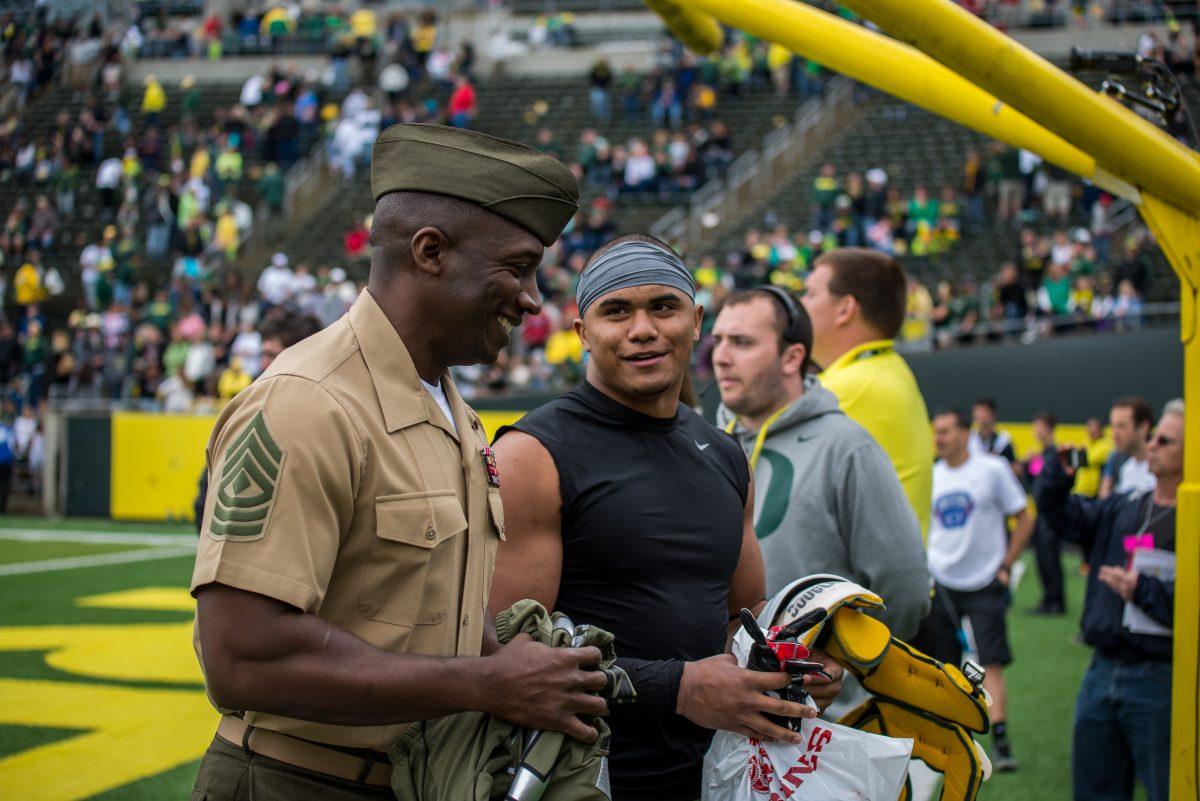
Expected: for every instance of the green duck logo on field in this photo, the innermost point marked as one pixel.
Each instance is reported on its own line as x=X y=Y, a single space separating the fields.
x=249 y=478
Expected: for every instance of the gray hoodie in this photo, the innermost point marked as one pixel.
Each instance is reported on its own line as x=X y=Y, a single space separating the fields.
x=827 y=500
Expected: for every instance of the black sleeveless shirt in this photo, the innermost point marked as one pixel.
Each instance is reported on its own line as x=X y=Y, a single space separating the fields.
x=652 y=531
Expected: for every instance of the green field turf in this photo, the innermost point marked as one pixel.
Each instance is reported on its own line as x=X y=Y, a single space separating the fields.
x=15 y=551
x=46 y=655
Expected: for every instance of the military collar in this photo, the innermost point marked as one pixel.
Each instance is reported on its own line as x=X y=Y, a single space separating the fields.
x=864 y=351
x=403 y=400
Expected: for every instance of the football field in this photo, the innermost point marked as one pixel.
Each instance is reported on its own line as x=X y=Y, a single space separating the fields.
x=102 y=697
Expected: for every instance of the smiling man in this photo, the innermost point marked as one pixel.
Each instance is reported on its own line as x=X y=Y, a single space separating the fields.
x=353 y=518
x=627 y=510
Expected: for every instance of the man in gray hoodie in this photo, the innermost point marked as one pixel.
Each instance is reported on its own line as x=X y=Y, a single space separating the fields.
x=828 y=500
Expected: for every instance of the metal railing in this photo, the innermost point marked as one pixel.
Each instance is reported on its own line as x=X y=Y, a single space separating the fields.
x=1027 y=15
x=305 y=185
x=756 y=174
x=1034 y=327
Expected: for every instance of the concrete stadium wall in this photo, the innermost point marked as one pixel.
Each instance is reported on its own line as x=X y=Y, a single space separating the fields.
x=1074 y=378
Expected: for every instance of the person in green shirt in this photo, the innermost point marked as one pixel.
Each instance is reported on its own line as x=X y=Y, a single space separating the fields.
x=158 y=312
x=922 y=210
x=825 y=190
x=1054 y=298
x=270 y=189
x=176 y=352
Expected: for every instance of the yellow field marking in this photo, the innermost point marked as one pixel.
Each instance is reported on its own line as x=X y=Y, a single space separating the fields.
x=172 y=599
x=138 y=652
x=132 y=734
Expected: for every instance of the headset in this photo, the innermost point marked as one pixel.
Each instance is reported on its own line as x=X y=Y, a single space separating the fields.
x=798 y=324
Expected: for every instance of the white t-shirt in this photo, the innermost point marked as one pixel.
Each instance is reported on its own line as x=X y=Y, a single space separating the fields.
x=439 y=395
x=1135 y=476
x=967 y=536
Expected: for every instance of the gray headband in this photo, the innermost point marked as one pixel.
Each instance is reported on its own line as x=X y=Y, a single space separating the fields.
x=632 y=263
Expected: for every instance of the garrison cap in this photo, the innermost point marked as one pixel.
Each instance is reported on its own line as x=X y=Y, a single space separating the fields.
x=521 y=184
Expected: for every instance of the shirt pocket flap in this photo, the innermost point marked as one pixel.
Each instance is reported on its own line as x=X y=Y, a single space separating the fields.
x=423 y=519
x=496 y=509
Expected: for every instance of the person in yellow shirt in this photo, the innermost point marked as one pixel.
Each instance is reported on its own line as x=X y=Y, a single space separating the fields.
x=856 y=299
x=226 y=236
x=779 y=62
x=918 y=312
x=363 y=23
x=27 y=285
x=1099 y=447
x=154 y=100
x=201 y=161
x=563 y=346
x=233 y=380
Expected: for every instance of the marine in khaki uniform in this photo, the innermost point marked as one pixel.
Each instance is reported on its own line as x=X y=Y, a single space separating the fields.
x=350 y=531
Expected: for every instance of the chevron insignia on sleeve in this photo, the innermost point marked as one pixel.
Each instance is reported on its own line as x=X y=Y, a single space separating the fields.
x=249 y=478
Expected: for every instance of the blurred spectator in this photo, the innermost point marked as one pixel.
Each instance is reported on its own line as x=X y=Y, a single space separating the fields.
x=1056 y=200
x=599 y=85
x=7 y=459
x=356 y=243
x=1011 y=186
x=233 y=380
x=1132 y=269
x=462 y=103
x=824 y=192
x=1047 y=546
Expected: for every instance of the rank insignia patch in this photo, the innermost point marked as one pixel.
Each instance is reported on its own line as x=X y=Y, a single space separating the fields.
x=249 y=478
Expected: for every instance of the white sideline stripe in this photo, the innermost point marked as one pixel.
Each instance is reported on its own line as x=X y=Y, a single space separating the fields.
x=38 y=535
x=76 y=562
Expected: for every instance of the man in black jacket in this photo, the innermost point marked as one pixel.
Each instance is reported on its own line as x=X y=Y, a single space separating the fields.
x=1123 y=712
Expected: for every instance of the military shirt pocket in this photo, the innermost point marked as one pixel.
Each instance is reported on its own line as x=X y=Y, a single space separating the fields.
x=411 y=571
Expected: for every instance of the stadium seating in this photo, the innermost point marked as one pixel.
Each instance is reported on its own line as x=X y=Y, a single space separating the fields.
x=915 y=147
x=508 y=107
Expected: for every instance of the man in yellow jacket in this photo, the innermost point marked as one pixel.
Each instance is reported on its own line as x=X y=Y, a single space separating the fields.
x=856 y=299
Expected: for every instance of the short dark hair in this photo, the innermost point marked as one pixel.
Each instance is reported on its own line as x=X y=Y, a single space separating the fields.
x=1141 y=409
x=290 y=327
x=792 y=322
x=961 y=420
x=1045 y=417
x=875 y=280
x=990 y=403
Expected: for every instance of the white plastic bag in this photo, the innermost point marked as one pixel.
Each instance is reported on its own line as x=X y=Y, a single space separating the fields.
x=831 y=763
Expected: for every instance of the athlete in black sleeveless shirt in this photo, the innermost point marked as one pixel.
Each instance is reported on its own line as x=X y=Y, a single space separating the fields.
x=626 y=510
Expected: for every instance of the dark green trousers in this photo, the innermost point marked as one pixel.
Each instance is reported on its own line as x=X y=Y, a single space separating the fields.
x=227 y=773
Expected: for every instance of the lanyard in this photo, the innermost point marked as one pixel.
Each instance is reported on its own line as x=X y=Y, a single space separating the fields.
x=1149 y=521
x=762 y=435
x=871 y=353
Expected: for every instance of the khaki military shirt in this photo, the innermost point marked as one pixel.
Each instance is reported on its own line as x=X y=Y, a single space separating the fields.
x=337 y=485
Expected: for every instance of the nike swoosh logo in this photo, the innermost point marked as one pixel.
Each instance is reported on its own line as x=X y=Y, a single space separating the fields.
x=700 y=445
x=803 y=438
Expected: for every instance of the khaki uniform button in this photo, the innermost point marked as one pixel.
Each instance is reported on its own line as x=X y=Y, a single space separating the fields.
x=474 y=424
x=430 y=534
x=466 y=619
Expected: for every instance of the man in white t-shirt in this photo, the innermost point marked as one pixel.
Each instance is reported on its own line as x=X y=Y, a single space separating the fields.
x=971 y=558
x=1127 y=470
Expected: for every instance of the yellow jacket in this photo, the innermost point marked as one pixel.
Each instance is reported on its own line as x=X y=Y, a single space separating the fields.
x=876 y=389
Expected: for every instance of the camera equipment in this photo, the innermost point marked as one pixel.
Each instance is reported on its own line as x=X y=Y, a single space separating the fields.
x=1159 y=91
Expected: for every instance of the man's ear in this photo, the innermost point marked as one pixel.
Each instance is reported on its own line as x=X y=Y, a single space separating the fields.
x=581 y=332
x=698 y=322
x=847 y=310
x=792 y=359
x=428 y=250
